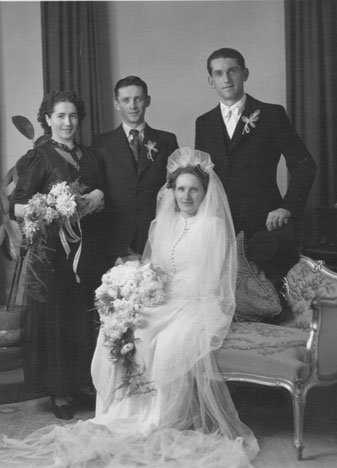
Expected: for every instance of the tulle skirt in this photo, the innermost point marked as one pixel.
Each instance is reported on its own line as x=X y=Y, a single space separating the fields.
x=88 y=445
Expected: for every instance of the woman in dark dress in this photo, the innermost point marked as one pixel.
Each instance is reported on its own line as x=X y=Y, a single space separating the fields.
x=60 y=323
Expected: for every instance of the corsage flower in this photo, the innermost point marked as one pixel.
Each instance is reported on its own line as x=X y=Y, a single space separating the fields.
x=151 y=146
x=250 y=121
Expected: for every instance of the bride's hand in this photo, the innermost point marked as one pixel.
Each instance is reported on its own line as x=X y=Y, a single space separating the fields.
x=93 y=201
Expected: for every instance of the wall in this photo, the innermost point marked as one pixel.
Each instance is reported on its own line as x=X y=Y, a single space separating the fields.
x=21 y=75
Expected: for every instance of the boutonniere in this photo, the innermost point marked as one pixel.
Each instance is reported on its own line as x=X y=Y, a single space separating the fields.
x=151 y=146
x=254 y=117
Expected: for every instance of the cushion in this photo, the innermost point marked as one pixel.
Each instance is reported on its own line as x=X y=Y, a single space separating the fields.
x=256 y=296
x=260 y=349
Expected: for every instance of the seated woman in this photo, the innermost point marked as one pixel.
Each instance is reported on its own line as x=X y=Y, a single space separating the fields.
x=188 y=419
x=59 y=321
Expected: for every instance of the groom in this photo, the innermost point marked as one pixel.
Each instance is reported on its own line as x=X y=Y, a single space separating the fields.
x=134 y=158
x=245 y=138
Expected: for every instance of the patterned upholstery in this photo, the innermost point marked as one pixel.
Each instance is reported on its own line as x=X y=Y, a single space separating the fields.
x=256 y=297
x=272 y=351
x=278 y=350
x=304 y=284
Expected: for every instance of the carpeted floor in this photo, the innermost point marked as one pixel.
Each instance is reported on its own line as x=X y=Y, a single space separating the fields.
x=267 y=411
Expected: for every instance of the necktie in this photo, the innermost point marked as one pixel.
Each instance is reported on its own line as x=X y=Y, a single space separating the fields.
x=135 y=143
x=230 y=120
x=228 y=114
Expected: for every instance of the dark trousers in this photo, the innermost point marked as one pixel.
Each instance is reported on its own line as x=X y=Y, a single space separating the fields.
x=275 y=252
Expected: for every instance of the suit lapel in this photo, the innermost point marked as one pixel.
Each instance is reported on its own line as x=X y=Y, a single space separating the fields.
x=218 y=127
x=145 y=161
x=120 y=148
x=239 y=134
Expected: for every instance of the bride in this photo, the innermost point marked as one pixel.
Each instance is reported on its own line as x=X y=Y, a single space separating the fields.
x=188 y=420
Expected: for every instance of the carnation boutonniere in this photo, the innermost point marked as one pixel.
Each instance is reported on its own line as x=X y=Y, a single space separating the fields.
x=250 y=121
x=151 y=146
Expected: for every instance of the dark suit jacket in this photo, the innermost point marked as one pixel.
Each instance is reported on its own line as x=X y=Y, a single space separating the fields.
x=247 y=163
x=131 y=191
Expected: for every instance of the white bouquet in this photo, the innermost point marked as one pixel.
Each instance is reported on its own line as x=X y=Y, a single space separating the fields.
x=125 y=291
x=58 y=206
x=60 y=210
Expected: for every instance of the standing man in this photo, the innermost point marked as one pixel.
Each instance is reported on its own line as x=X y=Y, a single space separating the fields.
x=134 y=158
x=245 y=138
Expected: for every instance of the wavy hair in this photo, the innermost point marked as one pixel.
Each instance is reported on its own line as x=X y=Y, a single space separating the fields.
x=52 y=98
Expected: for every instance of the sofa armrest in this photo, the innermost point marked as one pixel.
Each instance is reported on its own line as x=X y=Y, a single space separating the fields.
x=322 y=342
x=305 y=281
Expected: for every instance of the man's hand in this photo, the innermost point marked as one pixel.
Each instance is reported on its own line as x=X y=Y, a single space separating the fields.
x=93 y=201
x=277 y=218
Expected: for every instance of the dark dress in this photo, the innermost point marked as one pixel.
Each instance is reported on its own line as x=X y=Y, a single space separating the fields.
x=60 y=323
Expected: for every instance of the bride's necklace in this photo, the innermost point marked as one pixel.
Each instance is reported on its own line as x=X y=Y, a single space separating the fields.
x=187 y=227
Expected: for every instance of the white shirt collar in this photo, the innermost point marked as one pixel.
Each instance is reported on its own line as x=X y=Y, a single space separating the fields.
x=236 y=108
x=140 y=128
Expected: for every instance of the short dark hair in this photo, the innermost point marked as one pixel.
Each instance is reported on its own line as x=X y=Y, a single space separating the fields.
x=194 y=170
x=130 y=81
x=52 y=98
x=225 y=53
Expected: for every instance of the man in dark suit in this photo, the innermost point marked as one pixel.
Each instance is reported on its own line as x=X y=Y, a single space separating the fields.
x=245 y=138
x=134 y=158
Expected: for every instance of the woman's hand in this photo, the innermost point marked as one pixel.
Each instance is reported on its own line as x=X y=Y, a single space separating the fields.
x=93 y=201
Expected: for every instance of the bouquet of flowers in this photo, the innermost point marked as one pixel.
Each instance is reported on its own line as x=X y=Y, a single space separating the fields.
x=58 y=206
x=126 y=290
x=60 y=209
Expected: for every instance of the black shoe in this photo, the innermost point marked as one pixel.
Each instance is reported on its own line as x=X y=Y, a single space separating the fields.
x=65 y=411
x=85 y=400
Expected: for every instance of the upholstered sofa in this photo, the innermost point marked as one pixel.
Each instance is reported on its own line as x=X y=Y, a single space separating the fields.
x=297 y=354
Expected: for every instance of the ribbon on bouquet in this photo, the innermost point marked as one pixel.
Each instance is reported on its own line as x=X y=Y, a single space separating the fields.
x=67 y=234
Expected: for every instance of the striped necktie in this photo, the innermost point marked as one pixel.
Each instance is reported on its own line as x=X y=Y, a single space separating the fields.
x=135 y=143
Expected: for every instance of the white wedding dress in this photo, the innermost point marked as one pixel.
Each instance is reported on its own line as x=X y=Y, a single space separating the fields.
x=188 y=420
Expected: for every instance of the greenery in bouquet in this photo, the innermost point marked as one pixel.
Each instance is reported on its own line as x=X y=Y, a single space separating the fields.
x=126 y=291
x=56 y=213
x=58 y=207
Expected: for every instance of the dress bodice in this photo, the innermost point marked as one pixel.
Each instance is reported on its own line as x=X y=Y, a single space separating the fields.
x=43 y=166
x=176 y=256
x=179 y=255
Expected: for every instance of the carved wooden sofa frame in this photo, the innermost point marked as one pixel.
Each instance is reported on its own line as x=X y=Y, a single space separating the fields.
x=297 y=354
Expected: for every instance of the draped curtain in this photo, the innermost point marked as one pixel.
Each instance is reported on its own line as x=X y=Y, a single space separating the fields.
x=76 y=55
x=311 y=54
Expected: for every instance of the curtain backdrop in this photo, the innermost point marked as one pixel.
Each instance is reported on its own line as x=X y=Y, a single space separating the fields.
x=311 y=52
x=76 y=55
